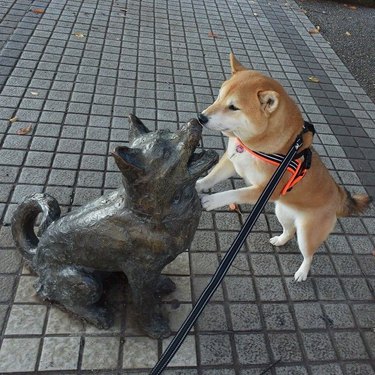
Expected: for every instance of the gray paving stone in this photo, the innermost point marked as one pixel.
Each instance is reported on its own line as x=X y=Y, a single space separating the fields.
x=318 y=346
x=358 y=369
x=329 y=369
x=339 y=315
x=90 y=178
x=70 y=145
x=291 y=370
x=277 y=317
x=270 y=289
x=33 y=176
x=245 y=317
x=26 y=320
x=213 y=318
x=62 y=177
x=66 y=161
x=19 y=354
x=100 y=353
x=369 y=338
x=215 y=350
x=329 y=289
x=7 y=283
x=204 y=241
x=204 y=263
x=38 y=159
x=221 y=371
x=239 y=288
x=264 y=264
x=258 y=353
x=357 y=289
x=59 y=353
x=12 y=157
x=350 y=345
x=365 y=314
x=93 y=162
x=309 y=315
x=10 y=261
x=5 y=192
x=285 y=346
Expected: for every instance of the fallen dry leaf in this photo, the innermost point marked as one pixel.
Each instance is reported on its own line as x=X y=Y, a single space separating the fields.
x=38 y=11
x=235 y=207
x=314 y=79
x=348 y=33
x=24 y=131
x=79 y=35
x=212 y=35
x=352 y=7
x=13 y=119
x=315 y=30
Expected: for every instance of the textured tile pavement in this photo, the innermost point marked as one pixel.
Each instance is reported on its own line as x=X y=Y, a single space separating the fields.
x=73 y=73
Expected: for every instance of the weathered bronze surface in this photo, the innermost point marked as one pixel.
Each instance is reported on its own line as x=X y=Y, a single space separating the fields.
x=137 y=229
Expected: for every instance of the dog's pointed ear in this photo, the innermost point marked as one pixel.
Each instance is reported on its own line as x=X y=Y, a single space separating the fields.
x=129 y=161
x=269 y=101
x=235 y=65
x=137 y=127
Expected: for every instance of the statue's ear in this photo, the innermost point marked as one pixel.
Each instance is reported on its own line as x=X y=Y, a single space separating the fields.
x=235 y=65
x=129 y=161
x=137 y=127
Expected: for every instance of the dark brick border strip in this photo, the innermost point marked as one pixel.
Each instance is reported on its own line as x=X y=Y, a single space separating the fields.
x=16 y=28
x=357 y=145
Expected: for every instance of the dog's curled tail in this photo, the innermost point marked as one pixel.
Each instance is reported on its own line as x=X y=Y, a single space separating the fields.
x=352 y=204
x=24 y=219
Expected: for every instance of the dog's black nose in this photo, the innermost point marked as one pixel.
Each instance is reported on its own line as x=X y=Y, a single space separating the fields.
x=202 y=118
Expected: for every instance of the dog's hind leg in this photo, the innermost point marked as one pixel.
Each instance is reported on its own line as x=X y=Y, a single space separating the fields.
x=311 y=233
x=286 y=220
x=77 y=291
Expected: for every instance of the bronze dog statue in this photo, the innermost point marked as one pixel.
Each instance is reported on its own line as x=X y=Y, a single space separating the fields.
x=137 y=229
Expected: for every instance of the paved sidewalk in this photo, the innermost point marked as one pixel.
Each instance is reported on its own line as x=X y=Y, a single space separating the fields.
x=74 y=72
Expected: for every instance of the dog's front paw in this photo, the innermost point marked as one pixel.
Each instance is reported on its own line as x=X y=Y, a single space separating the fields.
x=200 y=185
x=210 y=202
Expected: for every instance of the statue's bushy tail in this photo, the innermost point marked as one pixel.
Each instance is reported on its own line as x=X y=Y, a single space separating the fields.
x=24 y=219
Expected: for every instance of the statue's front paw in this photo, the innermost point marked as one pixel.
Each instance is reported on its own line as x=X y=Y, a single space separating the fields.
x=210 y=202
x=165 y=285
x=157 y=327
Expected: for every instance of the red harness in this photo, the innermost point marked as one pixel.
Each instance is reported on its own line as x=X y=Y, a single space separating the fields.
x=298 y=168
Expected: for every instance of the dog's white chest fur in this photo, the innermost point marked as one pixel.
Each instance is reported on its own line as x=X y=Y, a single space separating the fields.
x=244 y=163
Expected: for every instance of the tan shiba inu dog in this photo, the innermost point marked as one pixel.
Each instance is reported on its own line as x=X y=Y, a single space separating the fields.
x=256 y=113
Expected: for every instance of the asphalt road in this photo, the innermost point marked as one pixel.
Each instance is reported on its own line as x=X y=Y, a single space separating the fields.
x=349 y=28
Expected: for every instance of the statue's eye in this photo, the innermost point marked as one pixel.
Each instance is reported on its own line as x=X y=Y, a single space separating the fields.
x=177 y=198
x=233 y=108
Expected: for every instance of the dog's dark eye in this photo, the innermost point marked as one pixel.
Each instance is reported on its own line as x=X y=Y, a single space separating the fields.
x=233 y=108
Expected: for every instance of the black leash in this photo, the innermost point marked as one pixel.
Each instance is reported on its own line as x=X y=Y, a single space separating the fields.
x=226 y=261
